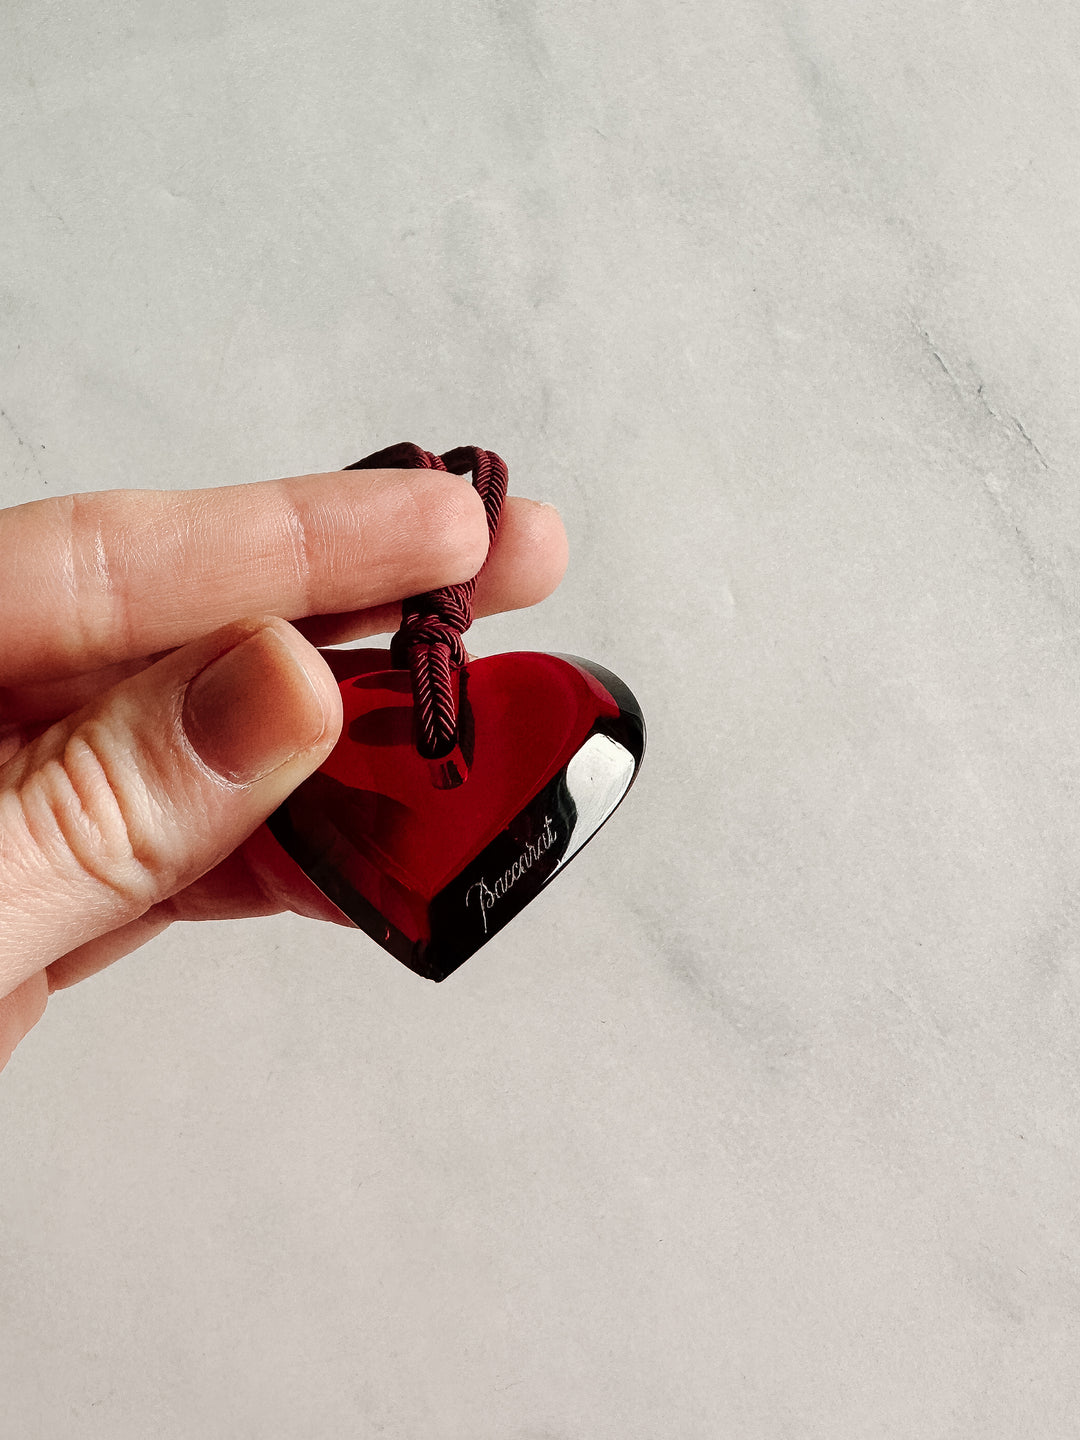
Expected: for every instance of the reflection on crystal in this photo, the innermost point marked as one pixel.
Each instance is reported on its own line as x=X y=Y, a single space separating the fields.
x=597 y=778
x=550 y=746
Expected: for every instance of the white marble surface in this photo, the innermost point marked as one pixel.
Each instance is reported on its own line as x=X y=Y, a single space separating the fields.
x=765 y=1122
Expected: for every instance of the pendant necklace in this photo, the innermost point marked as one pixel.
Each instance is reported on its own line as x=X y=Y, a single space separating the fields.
x=459 y=787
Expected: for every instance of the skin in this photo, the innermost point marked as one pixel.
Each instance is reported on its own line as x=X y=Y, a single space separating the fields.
x=126 y=801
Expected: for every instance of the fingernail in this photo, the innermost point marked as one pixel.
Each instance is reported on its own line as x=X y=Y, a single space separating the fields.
x=253 y=709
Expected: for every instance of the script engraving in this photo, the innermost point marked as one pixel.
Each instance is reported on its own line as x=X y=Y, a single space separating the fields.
x=488 y=895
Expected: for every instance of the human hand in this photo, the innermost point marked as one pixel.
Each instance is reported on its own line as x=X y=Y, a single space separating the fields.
x=156 y=706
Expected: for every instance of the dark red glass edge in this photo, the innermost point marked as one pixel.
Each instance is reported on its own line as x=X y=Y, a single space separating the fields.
x=442 y=954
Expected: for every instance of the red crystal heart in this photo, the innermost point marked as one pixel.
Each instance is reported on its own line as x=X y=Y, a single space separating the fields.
x=430 y=869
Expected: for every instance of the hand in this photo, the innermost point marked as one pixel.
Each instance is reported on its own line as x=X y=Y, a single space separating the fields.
x=156 y=706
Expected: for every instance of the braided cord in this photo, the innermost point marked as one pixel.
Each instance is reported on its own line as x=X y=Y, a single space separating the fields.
x=429 y=642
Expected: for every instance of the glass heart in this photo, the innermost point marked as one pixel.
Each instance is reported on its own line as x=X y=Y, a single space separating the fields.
x=432 y=865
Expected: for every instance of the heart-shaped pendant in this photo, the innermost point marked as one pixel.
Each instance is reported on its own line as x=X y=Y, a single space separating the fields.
x=432 y=857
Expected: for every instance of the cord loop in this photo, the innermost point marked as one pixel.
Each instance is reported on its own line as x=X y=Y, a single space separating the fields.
x=428 y=642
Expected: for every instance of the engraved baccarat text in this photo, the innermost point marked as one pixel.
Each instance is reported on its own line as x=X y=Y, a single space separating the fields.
x=488 y=894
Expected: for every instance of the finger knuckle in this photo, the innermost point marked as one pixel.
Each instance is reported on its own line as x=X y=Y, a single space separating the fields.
x=94 y=590
x=88 y=811
x=302 y=544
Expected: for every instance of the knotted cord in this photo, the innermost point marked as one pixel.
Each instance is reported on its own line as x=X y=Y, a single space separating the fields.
x=428 y=643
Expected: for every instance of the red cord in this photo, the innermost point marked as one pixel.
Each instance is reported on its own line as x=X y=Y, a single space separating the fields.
x=429 y=642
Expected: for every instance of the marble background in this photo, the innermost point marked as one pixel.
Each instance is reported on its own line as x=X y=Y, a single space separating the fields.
x=765 y=1121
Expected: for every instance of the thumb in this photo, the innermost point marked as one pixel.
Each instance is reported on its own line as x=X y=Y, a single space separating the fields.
x=132 y=798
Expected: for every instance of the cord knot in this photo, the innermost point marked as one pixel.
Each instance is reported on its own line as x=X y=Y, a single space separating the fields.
x=428 y=642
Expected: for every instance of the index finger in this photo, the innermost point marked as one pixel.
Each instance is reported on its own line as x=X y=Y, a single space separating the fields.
x=92 y=580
